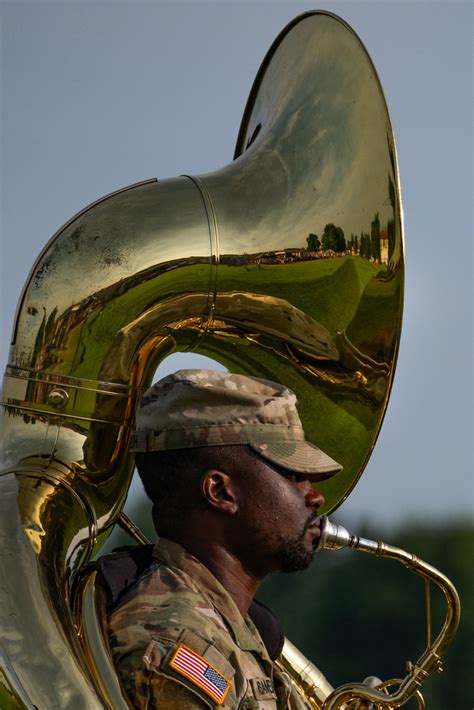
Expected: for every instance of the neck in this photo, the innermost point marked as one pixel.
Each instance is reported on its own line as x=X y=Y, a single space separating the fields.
x=237 y=580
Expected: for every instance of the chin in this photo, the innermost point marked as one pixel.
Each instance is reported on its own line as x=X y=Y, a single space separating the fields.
x=294 y=558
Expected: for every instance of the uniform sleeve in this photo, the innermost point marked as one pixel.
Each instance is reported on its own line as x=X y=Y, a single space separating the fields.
x=165 y=693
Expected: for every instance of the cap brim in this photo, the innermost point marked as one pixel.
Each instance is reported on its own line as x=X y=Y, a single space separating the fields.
x=301 y=457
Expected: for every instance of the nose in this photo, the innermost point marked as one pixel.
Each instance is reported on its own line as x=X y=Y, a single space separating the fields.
x=313 y=497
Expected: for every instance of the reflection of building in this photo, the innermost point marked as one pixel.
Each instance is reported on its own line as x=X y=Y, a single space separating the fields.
x=279 y=256
x=383 y=246
x=283 y=256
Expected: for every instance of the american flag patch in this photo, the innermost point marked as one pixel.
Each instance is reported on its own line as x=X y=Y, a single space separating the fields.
x=200 y=672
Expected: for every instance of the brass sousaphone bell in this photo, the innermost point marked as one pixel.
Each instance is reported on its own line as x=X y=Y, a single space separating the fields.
x=286 y=264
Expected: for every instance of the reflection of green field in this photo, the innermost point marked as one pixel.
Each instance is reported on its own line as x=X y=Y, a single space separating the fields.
x=377 y=321
x=327 y=289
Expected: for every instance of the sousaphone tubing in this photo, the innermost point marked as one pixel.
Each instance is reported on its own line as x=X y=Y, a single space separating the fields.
x=286 y=264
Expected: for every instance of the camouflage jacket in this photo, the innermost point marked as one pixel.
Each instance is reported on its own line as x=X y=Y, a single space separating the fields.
x=179 y=641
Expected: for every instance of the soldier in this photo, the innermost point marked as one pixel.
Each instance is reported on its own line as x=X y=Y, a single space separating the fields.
x=224 y=460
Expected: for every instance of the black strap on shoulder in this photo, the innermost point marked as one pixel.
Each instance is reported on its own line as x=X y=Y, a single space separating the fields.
x=119 y=571
x=268 y=627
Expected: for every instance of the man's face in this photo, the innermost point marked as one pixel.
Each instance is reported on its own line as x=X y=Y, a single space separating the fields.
x=278 y=515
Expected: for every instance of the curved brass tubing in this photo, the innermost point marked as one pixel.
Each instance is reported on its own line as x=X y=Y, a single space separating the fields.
x=225 y=264
x=335 y=537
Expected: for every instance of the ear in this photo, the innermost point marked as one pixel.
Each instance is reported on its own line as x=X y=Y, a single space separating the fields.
x=217 y=489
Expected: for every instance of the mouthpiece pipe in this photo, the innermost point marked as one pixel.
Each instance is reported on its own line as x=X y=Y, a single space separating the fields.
x=336 y=537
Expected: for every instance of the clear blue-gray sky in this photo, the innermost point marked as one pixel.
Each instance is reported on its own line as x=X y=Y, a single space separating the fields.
x=98 y=95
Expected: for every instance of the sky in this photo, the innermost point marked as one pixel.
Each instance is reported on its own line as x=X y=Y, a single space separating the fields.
x=99 y=95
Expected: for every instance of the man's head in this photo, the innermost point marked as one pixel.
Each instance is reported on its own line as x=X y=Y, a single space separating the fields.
x=224 y=455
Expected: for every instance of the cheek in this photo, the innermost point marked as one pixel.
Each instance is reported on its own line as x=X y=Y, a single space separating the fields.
x=270 y=502
x=284 y=507
x=265 y=507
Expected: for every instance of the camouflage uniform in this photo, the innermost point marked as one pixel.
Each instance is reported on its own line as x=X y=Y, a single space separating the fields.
x=179 y=604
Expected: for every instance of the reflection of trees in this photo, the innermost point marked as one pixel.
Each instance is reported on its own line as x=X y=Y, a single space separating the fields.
x=376 y=245
x=39 y=355
x=353 y=244
x=333 y=238
x=375 y=238
x=391 y=222
x=313 y=242
x=365 y=245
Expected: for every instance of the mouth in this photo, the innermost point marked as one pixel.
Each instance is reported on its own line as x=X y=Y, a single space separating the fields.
x=314 y=528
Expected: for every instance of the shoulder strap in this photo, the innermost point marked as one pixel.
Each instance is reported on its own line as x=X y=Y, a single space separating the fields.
x=118 y=571
x=268 y=627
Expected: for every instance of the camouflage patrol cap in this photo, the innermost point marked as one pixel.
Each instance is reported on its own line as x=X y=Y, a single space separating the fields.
x=193 y=408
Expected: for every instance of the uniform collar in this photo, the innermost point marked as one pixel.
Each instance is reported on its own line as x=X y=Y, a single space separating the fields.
x=244 y=631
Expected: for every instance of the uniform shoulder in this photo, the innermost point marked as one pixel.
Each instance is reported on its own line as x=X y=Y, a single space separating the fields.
x=164 y=604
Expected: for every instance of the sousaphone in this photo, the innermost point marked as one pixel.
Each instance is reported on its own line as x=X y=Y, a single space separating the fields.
x=286 y=264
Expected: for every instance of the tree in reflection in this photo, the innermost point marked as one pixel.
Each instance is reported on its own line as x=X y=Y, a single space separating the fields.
x=375 y=238
x=313 y=242
x=353 y=244
x=333 y=238
x=365 y=250
x=391 y=222
x=370 y=246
